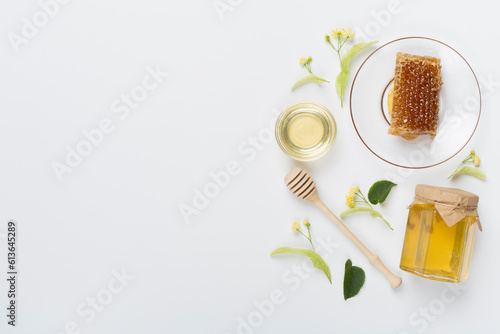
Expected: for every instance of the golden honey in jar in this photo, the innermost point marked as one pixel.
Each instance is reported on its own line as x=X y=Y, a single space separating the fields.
x=440 y=233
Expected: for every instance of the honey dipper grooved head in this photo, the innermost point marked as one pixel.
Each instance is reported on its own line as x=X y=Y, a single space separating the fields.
x=301 y=184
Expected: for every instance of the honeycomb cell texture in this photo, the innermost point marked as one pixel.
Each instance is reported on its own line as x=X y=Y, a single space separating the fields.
x=417 y=84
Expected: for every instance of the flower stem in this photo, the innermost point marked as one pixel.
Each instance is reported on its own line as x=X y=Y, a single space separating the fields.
x=343 y=42
x=385 y=221
x=363 y=198
x=312 y=245
x=461 y=164
x=308 y=237
x=308 y=68
x=329 y=42
x=338 y=48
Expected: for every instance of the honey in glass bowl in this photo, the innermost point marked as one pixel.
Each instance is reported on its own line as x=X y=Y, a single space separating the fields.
x=305 y=130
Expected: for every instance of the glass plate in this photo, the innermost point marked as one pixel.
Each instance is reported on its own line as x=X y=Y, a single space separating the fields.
x=460 y=105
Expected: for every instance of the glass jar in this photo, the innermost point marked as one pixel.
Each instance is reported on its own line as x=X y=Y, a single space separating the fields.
x=306 y=130
x=440 y=233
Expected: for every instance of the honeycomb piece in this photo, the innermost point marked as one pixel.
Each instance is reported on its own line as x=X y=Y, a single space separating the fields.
x=415 y=105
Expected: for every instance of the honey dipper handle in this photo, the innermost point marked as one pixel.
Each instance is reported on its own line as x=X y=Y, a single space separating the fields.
x=394 y=280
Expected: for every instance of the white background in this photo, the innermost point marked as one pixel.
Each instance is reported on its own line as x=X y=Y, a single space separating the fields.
x=228 y=76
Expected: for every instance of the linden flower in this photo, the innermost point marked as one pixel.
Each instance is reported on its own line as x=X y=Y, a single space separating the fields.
x=476 y=161
x=336 y=32
x=306 y=222
x=295 y=227
x=353 y=191
x=327 y=38
x=306 y=62
x=349 y=200
x=347 y=33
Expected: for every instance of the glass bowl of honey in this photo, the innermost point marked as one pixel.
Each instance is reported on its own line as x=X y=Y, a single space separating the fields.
x=453 y=117
x=306 y=130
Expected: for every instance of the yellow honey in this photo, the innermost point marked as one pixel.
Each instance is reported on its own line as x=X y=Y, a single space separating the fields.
x=434 y=248
x=305 y=130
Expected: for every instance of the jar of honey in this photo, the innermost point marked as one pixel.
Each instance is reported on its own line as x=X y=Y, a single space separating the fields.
x=440 y=233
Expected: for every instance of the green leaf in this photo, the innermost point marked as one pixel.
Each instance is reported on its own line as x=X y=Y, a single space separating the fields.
x=341 y=80
x=309 y=78
x=471 y=171
x=379 y=191
x=312 y=255
x=354 y=278
x=374 y=213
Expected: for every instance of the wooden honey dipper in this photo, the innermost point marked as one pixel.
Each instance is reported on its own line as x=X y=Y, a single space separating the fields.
x=300 y=183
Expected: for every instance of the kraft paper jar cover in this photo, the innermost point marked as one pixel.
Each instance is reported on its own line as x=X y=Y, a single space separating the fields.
x=452 y=204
